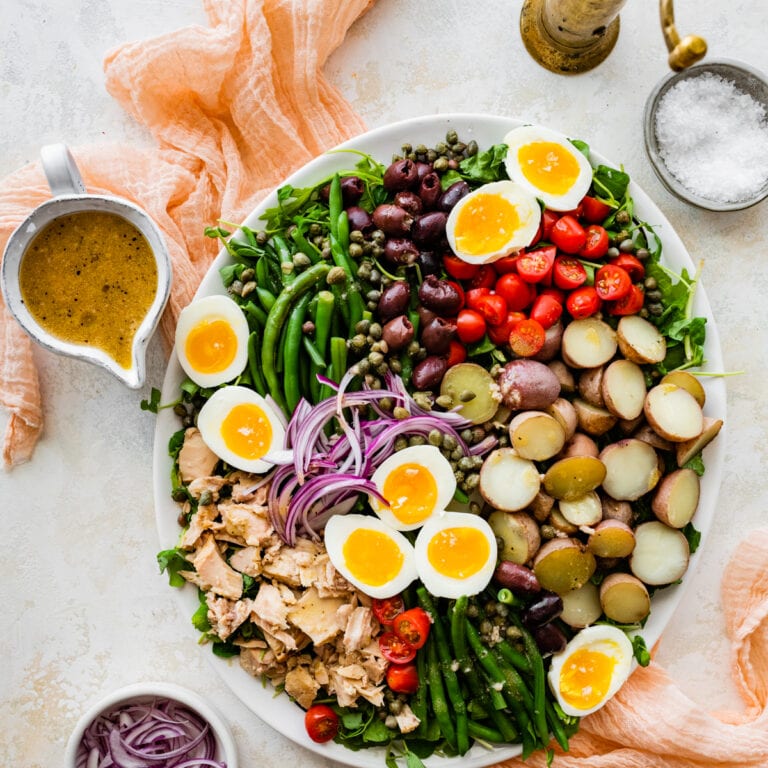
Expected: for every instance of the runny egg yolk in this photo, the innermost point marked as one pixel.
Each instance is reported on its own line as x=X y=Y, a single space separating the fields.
x=246 y=431
x=586 y=677
x=458 y=552
x=411 y=491
x=485 y=224
x=548 y=166
x=211 y=346
x=372 y=557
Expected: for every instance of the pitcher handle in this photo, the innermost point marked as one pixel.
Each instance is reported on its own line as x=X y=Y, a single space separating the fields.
x=61 y=170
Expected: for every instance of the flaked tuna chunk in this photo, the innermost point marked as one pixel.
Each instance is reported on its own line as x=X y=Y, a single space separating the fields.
x=316 y=616
x=259 y=659
x=247 y=487
x=196 y=459
x=213 y=570
x=249 y=522
x=360 y=628
x=271 y=607
x=203 y=520
x=247 y=560
x=225 y=616
x=300 y=684
x=406 y=720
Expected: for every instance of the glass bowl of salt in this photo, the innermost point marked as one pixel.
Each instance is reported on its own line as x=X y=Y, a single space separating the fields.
x=706 y=134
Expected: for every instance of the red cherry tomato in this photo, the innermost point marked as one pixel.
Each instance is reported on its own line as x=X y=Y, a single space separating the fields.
x=403 y=678
x=546 y=310
x=630 y=304
x=413 y=626
x=536 y=266
x=387 y=608
x=568 y=235
x=395 y=649
x=631 y=264
x=555 y=293
x=505 y=264
x=612 y=282
x=493 y=308
x=596 y=245
x=568 y=273
x=485 y=277
x=527 y=338
x=457 y=353
x=470 y=326
x=516 y=292
x=594 y=211
x=321 y=722
x=458 y=268
x=548 y=219
x=583 y=302
x=474 y=295
x=499 y=334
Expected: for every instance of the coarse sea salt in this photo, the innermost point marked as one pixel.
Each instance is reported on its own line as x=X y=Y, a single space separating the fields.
x=713 y=138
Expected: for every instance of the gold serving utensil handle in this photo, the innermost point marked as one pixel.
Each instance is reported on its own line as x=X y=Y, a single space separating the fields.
x=682 y=52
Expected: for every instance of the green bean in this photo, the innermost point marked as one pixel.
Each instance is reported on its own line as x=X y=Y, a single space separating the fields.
x=262 y=272
x=419 y=700
x=286 y=259
x=354 y=299
x=275 y=321
x=257 y=378
x=449 y=673
x=338 y=358
x=539 y=685
x=514 y=657
x=437 y=693
x=335 y=205
x=485 y=733
x=323 y=317
x=343 y=235
x=312 y=352
x=293 y=335
x=556 y=726
x=309 y=250
x=257 y=313
x=266 y=298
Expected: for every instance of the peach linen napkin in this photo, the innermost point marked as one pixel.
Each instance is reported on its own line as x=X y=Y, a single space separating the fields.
x=234 y=108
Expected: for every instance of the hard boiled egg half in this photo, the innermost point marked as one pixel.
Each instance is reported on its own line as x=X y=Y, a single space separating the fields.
x=376 y=559
x=549 y=166
x=591 y=669
x=493 y=221
x=212 y=340
x=418 y=482
x=455 y=554
x=241 y=428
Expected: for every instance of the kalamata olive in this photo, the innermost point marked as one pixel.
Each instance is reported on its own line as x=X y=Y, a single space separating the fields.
x=436 y=336
x=549 y=638
x=400 y=250
x=440 y=296
x=453 y=194
x=429 y=263
x=409 y=201
x=359 y=219
x=518 y=578
x=426 y=316
x=394 y=300
x=430 y=190
x=547 y=608
x=422 y=169
x=429 y=227
x=392 y=220
x=398 y=333
x=401 y=174
x=429 y=372
x=352 y=188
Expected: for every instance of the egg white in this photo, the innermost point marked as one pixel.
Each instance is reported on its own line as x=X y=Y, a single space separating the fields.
x=206 y=310
x=428 y=457
x=602 y=638
x=530 y=134
x=216 y=409
x=519 y=236
x=338 y=530
x=440 y=584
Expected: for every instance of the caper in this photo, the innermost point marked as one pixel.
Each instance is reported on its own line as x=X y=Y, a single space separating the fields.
x=301 y=261
x=623 y=218
x=627 y=245
x=440 y=165
x=236 y=286
x=445 y=401
x=401 y=443
x=450 y=443
x=613 y=252
x=417 y=440
x=355 y=250
x=467 y=395
x=423 y=400
x=247 y=274
x=650 y=283
x=435 y=437
x=459 y=476
x=395 y=365
x=262 y=237
x=406 y=148
x=642 y=254
x=375 y=359
x=654 y=295
x=471 y=149
x=181 y=411
x=451 y=137
x=179 y=495
x=400 y=413
x=655 y=309
x=248 y=288
x=472 y=481
x=375 y=330
x=457 y=453
x=206 y=498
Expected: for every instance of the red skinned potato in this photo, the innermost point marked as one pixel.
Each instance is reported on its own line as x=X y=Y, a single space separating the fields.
x=564 y=375
x=580 y=445
x=528 y=385
x=536 y=435
x=632 y=469
x=640 y=341
x=660 y=555
x=685 y=451
x=611 y=538
x=590 y=386
x=507 y=481
x=562 y=565
x=565 y=413
x=677 y=498
x=519 y=535
x=581 y=607
x=623 y=389
x=553 y=338
x=593 y=419
x=673 y=413
x=624 y=598
x=588 y=343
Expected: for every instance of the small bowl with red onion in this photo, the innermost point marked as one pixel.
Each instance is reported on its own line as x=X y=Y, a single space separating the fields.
x=157 y=724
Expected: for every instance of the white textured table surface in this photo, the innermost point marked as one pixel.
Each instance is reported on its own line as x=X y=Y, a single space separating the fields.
x=84 y=605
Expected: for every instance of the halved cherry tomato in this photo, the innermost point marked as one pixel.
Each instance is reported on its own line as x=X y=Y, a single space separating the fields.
x=568 y=235
x=457 y=353
x=395 y=649
x=470 y=326
x=631 y=264
x=499 y=334
x=594 y=211
x=612 y=283
x=568 y=273
x=546 y=310
x=536 y=266
x=472 y=296
x=630 y=304
x=505 y=264
x=485 y=277
x=527 y=337
x=458 y=268
x=583 y=302
x=493 y=308
x=413 y=626
x=596 y=243
x=403 y=678
x=516 y=292
x=321 y=722
x=385 y=609
x=548 y=219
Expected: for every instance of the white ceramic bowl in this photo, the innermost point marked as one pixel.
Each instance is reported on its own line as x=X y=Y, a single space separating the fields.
x=139 y=693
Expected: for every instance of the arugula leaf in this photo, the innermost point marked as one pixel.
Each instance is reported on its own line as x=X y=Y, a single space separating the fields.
x=153 y=403
x=610 y=182
x=640 y=651
x=175 y=442
x=485 y=167
x=200 y=616
x=225 y=650
x=376 y=732
x=412 y=760
x=582 y=146
x=693 y=535
x=173 y=561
